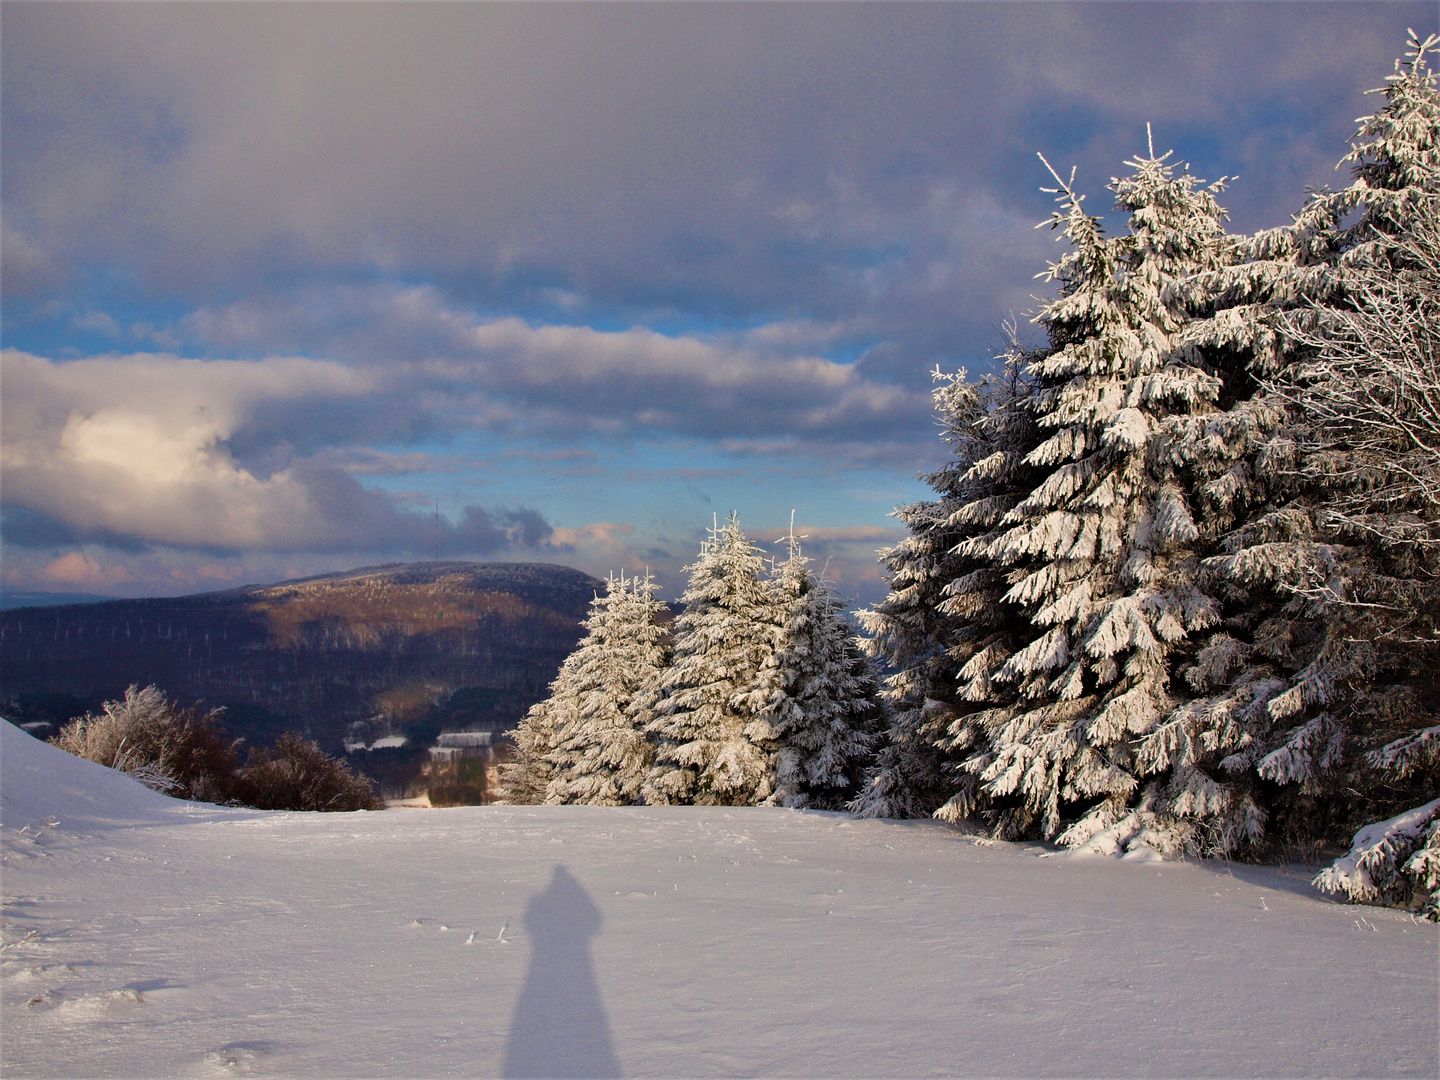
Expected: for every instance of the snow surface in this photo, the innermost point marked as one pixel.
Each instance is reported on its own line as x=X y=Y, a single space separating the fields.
x=150 y=937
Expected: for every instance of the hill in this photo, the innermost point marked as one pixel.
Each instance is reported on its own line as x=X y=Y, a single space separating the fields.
x=12 y=599
x=403 y=648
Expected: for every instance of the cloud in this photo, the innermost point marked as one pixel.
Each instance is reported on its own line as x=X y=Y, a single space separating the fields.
x=367 y=461
x=565 y=251
x=25 y=269
x=97 y=322
x=149 y=449
x=138 y=448
x=76 y=568
x=599 y=533
x=773 y=162
x=571 y=379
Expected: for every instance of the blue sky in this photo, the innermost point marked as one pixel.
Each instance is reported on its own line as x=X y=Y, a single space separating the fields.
x=278 y=278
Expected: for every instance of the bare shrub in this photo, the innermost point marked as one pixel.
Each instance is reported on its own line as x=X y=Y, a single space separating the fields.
x=180 y=750
x=295 y=774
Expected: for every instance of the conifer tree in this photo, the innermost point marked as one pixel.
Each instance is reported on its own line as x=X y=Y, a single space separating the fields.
x=1216 y=559
x=710 y=748
x=943 y=623
x=1329 y=657
x=525 y=778
x=601 y=754
x=538 y=753
x=815 y=697
x=1101 y=554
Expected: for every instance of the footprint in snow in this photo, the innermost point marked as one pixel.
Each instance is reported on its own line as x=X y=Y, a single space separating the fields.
x=431 y=923
x=114 y=1004
x=238 y=1059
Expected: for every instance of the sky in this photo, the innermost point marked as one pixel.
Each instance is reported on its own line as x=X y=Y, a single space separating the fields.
x=292 y=288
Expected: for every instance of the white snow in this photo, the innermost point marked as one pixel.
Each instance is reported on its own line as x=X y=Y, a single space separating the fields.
x=1372 y=853
x=149 y=937
x=389 y=742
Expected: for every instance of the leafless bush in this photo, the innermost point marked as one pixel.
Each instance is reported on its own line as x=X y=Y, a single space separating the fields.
x=295 y=774
x=175 y=749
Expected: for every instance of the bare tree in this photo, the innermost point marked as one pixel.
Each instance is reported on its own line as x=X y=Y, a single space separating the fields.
x=1364 y=395
x=1368 y=390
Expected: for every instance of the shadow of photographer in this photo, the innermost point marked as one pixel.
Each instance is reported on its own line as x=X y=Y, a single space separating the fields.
x=559 y=1028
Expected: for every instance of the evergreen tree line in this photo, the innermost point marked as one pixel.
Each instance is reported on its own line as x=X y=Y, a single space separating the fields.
x=1178 y=591
x=1179 y=586
x=758 y=695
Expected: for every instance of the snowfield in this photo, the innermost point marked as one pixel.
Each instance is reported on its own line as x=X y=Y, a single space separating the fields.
x=149 y=937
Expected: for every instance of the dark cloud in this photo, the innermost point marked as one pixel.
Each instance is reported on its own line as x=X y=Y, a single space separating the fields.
x=437 y=366
x=706 y=161
x=22 y=527
x=484 y=533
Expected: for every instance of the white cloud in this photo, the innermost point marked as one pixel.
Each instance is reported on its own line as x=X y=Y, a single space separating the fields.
x=135 y=446
x=98 y=322
x=79 y=568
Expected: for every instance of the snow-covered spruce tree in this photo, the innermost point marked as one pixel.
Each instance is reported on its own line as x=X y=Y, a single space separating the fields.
x=601 y=754
x=1102 y=555
x=943 y=623
x=1394 y=862
x=525 y=778
x=706 y=719
x=1323 y=682
x=816 y=697
x=1365 y=390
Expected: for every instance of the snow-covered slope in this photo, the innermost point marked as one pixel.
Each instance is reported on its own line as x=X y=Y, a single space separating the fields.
x=43 y=785
x=484 y=941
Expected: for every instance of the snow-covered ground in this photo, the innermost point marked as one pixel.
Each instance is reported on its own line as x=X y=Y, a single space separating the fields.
x=147 y=937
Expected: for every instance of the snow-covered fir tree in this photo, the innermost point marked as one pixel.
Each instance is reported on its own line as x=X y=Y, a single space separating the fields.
x=714 y=747
x=1101 y=555
x=816 y=697
x=525 y=778
x=943 y=620
x=600 y=753
x=1332 y=578
x=1393 y=862
x=1071 y=563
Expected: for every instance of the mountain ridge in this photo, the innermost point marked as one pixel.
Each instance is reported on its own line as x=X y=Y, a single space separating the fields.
x=395 y=646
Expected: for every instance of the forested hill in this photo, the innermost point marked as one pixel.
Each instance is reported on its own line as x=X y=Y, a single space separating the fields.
x=418 y=645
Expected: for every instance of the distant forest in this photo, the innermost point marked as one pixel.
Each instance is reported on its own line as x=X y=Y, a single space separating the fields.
x=404 y=649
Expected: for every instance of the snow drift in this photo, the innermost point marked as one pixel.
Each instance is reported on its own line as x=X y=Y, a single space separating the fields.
x=44 y=784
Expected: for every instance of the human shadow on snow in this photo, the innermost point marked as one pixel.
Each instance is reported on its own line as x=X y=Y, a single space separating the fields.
x=559 y=1028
